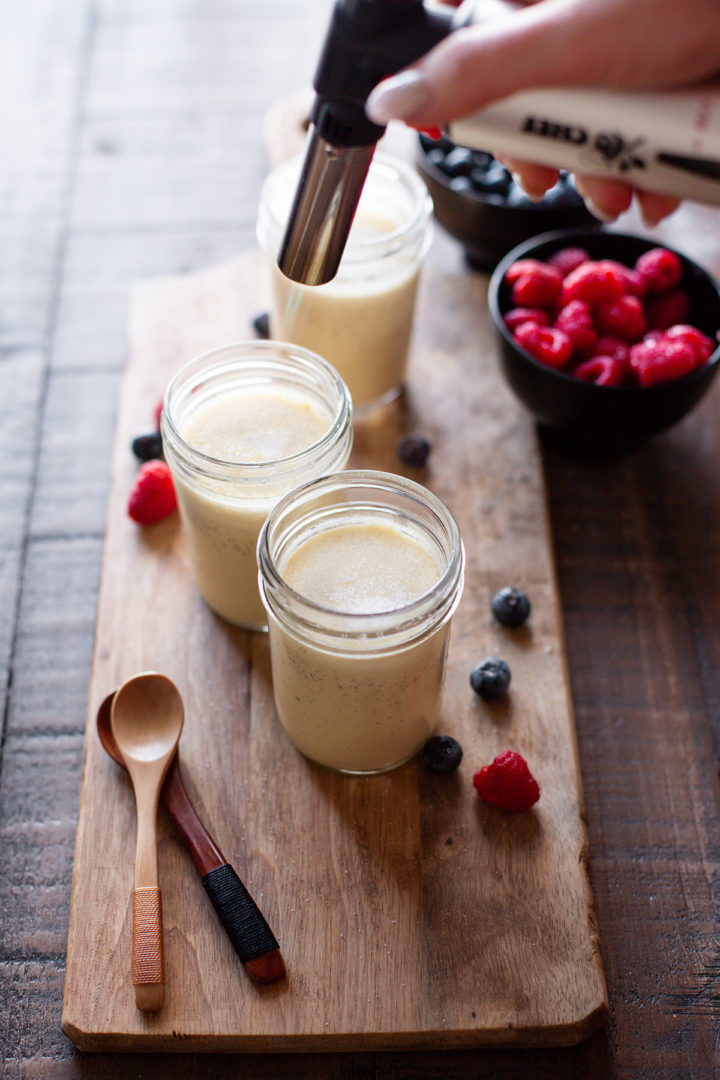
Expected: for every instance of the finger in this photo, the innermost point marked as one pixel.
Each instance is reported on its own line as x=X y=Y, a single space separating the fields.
x=655 y=207
x=535 y=180
x=606 y=199
x=475 y=65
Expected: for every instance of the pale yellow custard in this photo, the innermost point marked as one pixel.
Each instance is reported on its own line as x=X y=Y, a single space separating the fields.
x=251 y=426
x=353 y=709
x=361 y=320
x=361 y=325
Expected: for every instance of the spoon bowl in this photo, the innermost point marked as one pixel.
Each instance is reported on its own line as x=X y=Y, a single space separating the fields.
x=146 y=718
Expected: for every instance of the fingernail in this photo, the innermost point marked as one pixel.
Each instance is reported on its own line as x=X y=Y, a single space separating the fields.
x=535 y=195
x=397 y=98
x=594 y=209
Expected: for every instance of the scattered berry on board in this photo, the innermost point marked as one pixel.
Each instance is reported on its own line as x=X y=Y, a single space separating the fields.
x=261 y=324
x=507 y=782
x=148 y=447
x=576 y=315
x=510 y=606
x=442 y=754
x=157 y=413
x=153 y=495
x=490 y=678
x=414 y=450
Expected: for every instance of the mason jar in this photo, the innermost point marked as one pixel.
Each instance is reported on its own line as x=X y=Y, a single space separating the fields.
x=241 y=426
x=362 y=320
x=360 y=574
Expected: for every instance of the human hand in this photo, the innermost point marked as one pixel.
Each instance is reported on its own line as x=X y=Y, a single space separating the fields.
x=616 y=44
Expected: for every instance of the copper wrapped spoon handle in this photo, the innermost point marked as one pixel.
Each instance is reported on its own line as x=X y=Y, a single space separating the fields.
x=252 y=938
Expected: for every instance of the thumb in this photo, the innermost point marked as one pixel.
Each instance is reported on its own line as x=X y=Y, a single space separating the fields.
x=528 y=47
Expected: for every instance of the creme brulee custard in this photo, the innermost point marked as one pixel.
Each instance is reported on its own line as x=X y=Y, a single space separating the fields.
x=245 y=425
x=361 y=322
x=360 y=583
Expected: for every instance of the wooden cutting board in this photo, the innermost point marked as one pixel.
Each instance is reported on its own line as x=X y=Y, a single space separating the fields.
x=409 y=913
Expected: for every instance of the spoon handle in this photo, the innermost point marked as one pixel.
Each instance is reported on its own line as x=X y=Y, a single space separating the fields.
x=252 y=938
x=148 y=962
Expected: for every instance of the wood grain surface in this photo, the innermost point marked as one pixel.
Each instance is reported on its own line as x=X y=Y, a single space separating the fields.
x=135 y=148
x=409 y=913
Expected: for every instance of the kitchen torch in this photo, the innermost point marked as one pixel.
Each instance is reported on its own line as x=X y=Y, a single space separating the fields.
x=668 y=142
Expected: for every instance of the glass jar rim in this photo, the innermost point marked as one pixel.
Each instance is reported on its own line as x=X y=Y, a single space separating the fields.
x=272 y=218
x=416 y=617
x=291 y=359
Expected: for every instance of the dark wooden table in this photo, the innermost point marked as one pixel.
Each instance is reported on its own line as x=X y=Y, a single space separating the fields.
x=132 y=146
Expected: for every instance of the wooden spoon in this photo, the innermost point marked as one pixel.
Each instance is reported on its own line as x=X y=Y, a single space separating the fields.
x=252 y=938
x=147 y=718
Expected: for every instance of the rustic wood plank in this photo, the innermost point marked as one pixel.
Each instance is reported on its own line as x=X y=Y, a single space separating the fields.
x=675 y=556
x=429 y=915
x=156 y=171
x=53 y=650
x=100 y=268
x=41 y=58
x=240 y=63
x=75 y=453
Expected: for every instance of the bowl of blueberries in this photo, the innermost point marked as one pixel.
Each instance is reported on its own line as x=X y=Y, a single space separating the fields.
x=477 y=201
x=606 y=338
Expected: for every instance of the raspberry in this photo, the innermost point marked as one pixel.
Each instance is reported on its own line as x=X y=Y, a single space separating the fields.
x=632 y=282
x=594 y=282
x=157 y=413
x=701 y=343
x=507 y=782
x=623 y=318
x=544 y=343
x=510 y=606
x=490 y=678
x=538 y=287
x=568 y=259
x=660 y=269
x=601 y=370
x=665 y=311
x=607 y=345
x=520 y=268
x=442 y=754
x=576 y=320
x=414 y=450
x=153 y=495
x=659 y=361
x=520 y=315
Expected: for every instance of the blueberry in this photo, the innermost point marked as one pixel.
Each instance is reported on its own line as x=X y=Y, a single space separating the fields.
x=148 y=447
x=437 y=155
x=414 y=450
x=490 y=678
x=261 y=323
x=460 y=183
x=510 y=607
x=458 y=162
x=442 y=754
x=498 y=180
x=482 y=160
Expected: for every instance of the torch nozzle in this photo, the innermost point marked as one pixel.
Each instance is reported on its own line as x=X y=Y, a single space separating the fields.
x=326 y=197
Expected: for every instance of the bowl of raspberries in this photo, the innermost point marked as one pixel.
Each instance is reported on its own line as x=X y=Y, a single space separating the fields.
x=606 y=338
x=478 y=203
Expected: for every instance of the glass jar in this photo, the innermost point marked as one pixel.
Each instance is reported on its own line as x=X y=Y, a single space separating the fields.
x=362 y=320
x=360 y=574
x=241 y=426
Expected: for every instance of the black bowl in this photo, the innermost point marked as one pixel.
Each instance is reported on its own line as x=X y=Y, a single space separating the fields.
x=591 y=420
x=477 y=201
